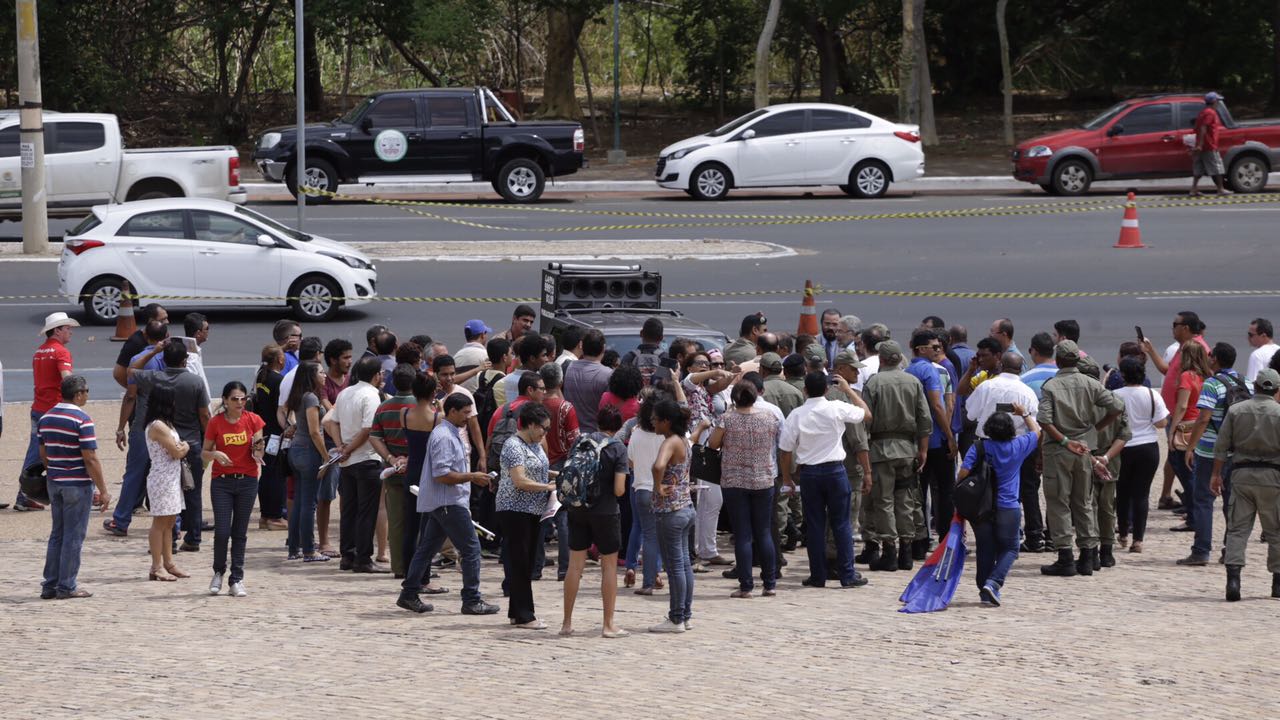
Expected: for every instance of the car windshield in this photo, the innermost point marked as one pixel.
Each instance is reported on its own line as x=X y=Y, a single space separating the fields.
x=274 y=225
x=625 y=343
x=356 y=112
x=1106 y=116
x=734 y=125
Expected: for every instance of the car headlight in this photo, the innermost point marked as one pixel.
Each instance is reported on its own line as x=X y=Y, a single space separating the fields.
x=1039 y=151
x=681 y=153
x=354 y=262
x=269 y=140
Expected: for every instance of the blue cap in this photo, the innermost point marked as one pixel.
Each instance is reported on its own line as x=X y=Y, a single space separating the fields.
x=1212 y=97
x=475 y=328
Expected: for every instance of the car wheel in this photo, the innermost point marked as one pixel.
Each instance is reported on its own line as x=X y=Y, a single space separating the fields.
x=101 y=300
x=1072 y=177
x=710 y=181
x=868 y=179
x=1049 y=188
x=315 y=299
x=1248 y=174
x=320 y=175
x=521 y=180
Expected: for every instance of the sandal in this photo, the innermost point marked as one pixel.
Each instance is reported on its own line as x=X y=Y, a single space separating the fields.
x=315 y=558
x=658 y=584
x=1136 y=547
x=629 y=580
x=330 y=553
x=644 y=591
x=155 y=575
x=175 y=572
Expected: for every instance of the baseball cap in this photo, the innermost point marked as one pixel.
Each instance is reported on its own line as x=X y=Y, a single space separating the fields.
x=771 y=361
x=1267 y=380
x=848 y=357
x=476 y=327
x=815 y=352
x=793 y=361
x=1212 y=97
x=889 y=346
x=1067 y=350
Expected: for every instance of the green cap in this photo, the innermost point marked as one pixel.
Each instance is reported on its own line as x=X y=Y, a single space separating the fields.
x=1268 y=380
x=848 y=357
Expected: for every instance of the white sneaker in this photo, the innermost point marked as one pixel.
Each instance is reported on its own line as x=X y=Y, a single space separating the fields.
x=215 y=585
x=687 y=625
x=237 y=590
x=666 y=626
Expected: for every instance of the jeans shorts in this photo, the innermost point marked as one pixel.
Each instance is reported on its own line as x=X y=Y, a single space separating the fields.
x=587 y=529
x=329 y=484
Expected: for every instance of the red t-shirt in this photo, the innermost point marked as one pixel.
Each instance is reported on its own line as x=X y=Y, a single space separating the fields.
x=236 y=440
x=47 y=365
x=626 y=408
x=1169 y=388
x=1192 y=382
x=564 y=428
x=1210 y=123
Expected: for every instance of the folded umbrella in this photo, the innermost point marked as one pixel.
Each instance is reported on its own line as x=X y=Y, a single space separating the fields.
x=935 y=583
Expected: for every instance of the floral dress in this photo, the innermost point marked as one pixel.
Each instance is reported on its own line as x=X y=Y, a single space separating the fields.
x=164 y=480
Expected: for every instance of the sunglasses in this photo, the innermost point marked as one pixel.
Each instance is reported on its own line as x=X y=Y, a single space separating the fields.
x=717 y=364
x=237 y=399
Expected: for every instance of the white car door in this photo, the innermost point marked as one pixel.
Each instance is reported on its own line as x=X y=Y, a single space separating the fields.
x=155 y=255
x=836 y=141
x=232 y=268
x=775 y=154
x=82 y=166
x=11 y=167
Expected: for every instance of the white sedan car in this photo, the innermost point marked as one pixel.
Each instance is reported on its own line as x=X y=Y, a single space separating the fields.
x=793 y=145
x=208 y=253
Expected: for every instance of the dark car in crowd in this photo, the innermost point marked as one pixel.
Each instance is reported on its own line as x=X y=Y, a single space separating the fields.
x=621 y=326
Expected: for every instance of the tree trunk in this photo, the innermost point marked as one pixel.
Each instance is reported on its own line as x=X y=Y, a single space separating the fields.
x=409 y=57
x=591 y=101
x=915 y=90
x=763 y=54
x=1274 y=105
x=348 y=51
x=826 y=42
x=559 y=96
x=1006 y=84
x=235 y=126
x=311 y=68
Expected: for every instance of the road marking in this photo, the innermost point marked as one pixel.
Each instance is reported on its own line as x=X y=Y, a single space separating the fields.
x=1209 y=297
x=1236 y=210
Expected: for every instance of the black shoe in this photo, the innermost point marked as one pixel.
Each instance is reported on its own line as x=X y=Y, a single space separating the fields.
x=731 y=573
x=1084 y=563
x=345 y=564
x=1095 y=559
x=904 y=555
x=832 y=572
x=870 y=553
x=206 y=526
x=560 y=577
x=1165 y=503
x=1108 y=556
x=1064 y=567
x=47 y=594
x=188 y=547
x=887 y=562
x=1029 y=546
x=413 y=603
x=813 y=582
x=398 y=576
x=1193 y=561
x=480 y=607
x=857 y=581
x=920 y=549
x=1275 y=585
x=371 y=568
x=1233 y=583
x=1182 y=528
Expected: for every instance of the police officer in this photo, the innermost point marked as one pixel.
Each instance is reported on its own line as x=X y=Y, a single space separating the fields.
x=1250 y=436
x=1073 y=407
x=899 y=443
x=1111 y=440
x=857 y=460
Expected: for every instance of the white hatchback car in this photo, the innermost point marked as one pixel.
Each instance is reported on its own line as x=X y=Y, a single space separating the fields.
x=208 y=253
x=794 y=145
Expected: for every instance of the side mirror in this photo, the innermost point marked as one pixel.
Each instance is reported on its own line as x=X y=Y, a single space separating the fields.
x=265 y=240
x=366 y=123
x=1115 y=130
x=748 y=134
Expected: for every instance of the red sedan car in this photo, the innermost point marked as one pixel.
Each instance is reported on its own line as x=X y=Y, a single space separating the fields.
x=1144 y=138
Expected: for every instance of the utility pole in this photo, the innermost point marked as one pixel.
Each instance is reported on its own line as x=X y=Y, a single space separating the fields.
x=300 y=119
x=35 y=215
x=617 y=156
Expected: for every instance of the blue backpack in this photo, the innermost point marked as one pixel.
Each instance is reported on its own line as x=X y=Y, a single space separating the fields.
x=579 y=482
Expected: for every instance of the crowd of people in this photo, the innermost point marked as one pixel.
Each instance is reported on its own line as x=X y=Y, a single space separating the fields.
x=638 y=462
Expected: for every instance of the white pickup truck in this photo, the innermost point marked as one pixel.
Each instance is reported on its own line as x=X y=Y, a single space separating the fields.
x=86 y=165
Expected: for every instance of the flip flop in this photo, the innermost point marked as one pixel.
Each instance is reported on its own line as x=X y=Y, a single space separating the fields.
x=434 y=590
x=331 y=553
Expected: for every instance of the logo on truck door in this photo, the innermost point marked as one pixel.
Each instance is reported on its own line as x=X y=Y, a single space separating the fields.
x=390 y=145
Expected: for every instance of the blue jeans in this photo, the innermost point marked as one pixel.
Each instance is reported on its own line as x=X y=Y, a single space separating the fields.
x=1177 y=458
x=750 y=512
x=1203 y=504
x=33 y=450
x=673 y=541
x=70 y=506
x=644 y=534
x=825 y=498
x=134 y=483
x=305 y=461
x=997 y=545
x=452 y=522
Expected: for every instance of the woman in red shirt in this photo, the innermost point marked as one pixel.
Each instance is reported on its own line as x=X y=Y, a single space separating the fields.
x=1195 y=370
x=233 y=442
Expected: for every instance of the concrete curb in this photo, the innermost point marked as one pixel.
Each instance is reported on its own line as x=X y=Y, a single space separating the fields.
x=261 y=191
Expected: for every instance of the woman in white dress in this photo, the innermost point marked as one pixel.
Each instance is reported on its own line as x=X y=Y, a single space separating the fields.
x=164 y=481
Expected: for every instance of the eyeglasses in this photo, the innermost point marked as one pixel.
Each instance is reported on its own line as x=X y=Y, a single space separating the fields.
x=716 y=364
x=698 y=363
x=540 y=387
x=240 y=398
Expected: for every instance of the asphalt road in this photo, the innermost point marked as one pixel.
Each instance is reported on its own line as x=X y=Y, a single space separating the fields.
x=1064 y=247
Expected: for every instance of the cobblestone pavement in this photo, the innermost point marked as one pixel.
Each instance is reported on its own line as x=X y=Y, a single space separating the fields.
x=1143 y=639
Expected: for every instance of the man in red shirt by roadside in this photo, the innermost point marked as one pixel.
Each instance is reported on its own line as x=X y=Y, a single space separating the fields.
x=1207 y=160
x=51 y=363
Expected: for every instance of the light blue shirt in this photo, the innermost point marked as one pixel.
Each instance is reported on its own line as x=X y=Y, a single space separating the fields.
x=1036 y=376
x=445 y=454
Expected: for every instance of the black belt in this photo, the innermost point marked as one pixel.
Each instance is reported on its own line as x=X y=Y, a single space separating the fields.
x=823 y=465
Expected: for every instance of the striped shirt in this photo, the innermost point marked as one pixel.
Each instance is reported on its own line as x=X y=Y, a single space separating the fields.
x=1036 y=376
x=66 y=431
x=388 y=425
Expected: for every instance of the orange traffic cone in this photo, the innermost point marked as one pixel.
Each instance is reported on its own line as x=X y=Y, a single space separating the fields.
x=809 y=312
x=125 y=325
x=1130 y=235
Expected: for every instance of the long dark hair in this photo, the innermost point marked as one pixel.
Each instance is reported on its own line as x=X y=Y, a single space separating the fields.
x=160 y=405
x=231 y=387
x=304 y=381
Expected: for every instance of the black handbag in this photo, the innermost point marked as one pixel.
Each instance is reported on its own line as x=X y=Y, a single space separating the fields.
x=34 y=483
x=705 y=464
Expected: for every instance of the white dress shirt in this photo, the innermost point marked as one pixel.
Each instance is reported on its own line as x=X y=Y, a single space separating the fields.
x=770 y=407
x=1260 y=359
x=1003 y=388
x=871 y=365
x=354 y=411
x=813 y=431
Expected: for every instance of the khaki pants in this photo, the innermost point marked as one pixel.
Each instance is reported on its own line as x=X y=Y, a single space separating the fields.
x=888 y=508
x=1068 y=493
x=1104 y=506
x=1246 y=502
x=397 y=497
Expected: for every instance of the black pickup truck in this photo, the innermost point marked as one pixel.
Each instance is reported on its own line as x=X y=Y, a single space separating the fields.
x=426 y=135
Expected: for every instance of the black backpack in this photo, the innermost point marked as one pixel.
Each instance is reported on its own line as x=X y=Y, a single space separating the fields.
x=486 y=404
x=1236 y=391
x=974 y=497
x=505 y=428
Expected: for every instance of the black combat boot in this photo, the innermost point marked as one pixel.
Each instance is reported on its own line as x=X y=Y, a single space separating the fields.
x=1233 y=583
x=920 y=549
x=1064 y=567
x=1275 y=585
x=870 y=554
x=1084 y=564
x=904 y=554
x=887 y=561
x=1108 y=558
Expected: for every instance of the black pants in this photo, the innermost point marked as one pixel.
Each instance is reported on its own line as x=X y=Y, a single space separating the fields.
x=232 y=497
x=361 y=489
x=192 y=517
x=940 y=476
x=520 y=532
x=271 y=490
x=482 y=510
x=1029 y=496
x=1133 y=493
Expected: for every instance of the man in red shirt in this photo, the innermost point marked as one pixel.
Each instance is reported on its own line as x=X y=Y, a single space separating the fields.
x=51 y=363
x=1208 y=161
